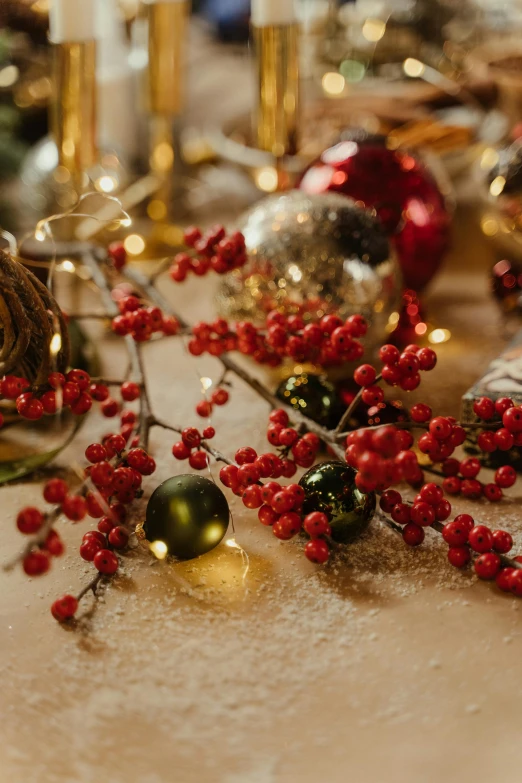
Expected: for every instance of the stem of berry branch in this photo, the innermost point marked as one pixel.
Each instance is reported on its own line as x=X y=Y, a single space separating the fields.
x=350 y=409
x=93 y=584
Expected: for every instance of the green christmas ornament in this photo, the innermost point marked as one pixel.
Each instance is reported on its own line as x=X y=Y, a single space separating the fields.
x=330 y=488
x=186 y=516
x=314 y=396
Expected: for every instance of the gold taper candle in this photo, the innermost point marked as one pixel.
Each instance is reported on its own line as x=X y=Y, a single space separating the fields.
x=167 y=35
x=72 y=31
x=275 y=36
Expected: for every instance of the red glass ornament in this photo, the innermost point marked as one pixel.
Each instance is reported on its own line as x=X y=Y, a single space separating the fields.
x=400 y=188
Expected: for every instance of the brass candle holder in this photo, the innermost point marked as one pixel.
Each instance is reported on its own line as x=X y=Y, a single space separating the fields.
x=277 y=75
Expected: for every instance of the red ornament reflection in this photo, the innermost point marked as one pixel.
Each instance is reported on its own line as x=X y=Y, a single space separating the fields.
x=400 y=188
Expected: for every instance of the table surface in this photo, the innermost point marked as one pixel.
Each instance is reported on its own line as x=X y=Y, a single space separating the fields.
x=387 y=664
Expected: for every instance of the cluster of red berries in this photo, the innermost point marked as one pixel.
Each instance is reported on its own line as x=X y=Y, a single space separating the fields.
x=279 y=507
x=219 y=396
x=29 y=521
x=74 y=391
x=189 y=446
x=428 y=507
x=382 y=457
x=399 y=369
x=140 y=321
x=327 y=341
x=461 y=534
x=303 y=448
x=117 y=254
x=212 y=251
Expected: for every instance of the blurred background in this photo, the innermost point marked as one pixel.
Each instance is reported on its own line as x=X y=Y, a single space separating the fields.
x=195 y=112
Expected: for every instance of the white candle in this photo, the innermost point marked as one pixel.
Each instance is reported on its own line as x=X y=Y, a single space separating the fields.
x=72 y=20
x=272 y=13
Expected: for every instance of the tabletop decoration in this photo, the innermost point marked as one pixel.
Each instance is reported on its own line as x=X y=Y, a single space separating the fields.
x=402 y=190
x=321 y=251
x=333 y=502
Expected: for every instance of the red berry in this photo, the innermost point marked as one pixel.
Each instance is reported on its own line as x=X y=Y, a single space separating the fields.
x=105 y=525
x=412 y=534
x=420 y=412
x=130 y=391
x=455 y=534
x=459 y=556
x=208 y=433
x=64 y=608
x=422 y=514
x=204 y=409
x=317 y=551
x=102 y=474
x=55 y=490
x=289 y=524
x=487 y=565
x=267 y=515
x=502 y=541
x=279 y=416
x=110 y=407
x=118 y=537
x=180 y=451
x=220 y=397
x=408 y=363
x=29 y=520
x=89 y=547
x=96 y=453
x=251 y=496
x=481 y=539
x=245 y=455
x=117 y=254
x=391 y=374
x=389 y=354
x=401 y=514
x=228 y=475
x=389 y=499
x=316 y=524
x=504 y=439
x=36 y=563
x=466 y=521
x=493 y=493
x=191 y=437
x=502 y=404
x=486 y=442
x=441 y=428
x=470 y=467
x=431 y=493
x=282 y=501
x=198 y=460
x=74 y=507
x=515 y=582
x=365 y=375
x=484 y=408
x=471 y=488
x=82 y=378
x=427 y=358
x=138 y=459
x=503 y=579
x=442 y=511
x=105 y=561
x=505 y=476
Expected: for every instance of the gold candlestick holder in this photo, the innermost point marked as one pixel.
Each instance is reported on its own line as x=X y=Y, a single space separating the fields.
x=277 y=74
x=73 y=113
x=168 y=23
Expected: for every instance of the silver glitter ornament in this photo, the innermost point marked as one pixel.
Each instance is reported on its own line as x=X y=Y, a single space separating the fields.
x=313 y=254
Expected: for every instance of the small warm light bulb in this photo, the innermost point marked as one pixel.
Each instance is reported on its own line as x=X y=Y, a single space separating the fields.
x=206 y=383
x=373 y=30
x=497 y=186
x=106 y=184
x=159 y=549
x=439 y=336
x=134 y=244
x=267 y=179
x=67 y=266
x=413 y=68
x=55 y=346
x=39 y=234
x=333 y=83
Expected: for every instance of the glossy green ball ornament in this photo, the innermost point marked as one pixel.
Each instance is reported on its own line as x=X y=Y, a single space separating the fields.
x=314 y=396
x=330 y=488
x=189 y=514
